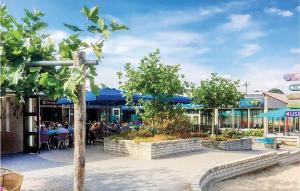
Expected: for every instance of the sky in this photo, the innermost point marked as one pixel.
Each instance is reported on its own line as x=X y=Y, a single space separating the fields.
x=249 y=40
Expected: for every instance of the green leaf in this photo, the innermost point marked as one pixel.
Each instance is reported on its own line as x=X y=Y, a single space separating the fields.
x=105 y=33
x=115 y=26
x=51 y=82
x=93 y=14
x=85 y=11
x=93 y=29
x=43 y=79
x=72 y=27
x=100 y=22
x=97 y=50
x=34 y=69
x=94 y=87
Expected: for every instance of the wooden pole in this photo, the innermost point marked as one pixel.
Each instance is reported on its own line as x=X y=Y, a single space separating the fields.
x=79 y=127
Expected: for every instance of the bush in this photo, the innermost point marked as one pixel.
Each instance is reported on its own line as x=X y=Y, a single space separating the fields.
x=174 y=124
x=231 y=133
x=254 y=133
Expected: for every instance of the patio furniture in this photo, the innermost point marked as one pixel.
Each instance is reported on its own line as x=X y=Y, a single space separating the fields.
x=45 y=140
x=4 y=170
x=11 y=181
x=62 y=140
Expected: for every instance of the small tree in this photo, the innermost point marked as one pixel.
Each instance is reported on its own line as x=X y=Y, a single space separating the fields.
x=162 y=82
x=217 y=92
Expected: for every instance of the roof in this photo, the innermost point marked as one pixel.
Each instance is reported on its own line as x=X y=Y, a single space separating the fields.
x=280 y=97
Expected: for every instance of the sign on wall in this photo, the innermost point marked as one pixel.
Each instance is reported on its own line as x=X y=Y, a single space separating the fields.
x=294 y=87
x=292 y=77
x=292 y=113
x=251 y=102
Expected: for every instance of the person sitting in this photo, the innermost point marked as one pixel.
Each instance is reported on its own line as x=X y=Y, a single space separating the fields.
x=93 y=132
x=44 y=129
x=125 y=127
x=62 y=129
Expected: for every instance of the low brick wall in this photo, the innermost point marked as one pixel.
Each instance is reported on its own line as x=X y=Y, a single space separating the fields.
x=152 y=150
x=206 y=179
x=241 y=144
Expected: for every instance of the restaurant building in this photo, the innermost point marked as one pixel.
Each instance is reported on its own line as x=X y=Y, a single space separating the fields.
x=247 y=115
x=19 y=122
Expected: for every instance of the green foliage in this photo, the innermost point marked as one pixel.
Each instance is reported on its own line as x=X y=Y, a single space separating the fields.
x=23 y=42
x=217 y=92
x=276 y=90
x=159 y=80
x=231 y=133
x=254 y=133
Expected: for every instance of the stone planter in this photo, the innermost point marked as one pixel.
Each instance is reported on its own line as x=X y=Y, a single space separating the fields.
x=152 y=150
x=241 y=144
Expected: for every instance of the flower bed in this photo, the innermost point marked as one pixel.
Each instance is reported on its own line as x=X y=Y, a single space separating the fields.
x=239 y=144
x=151 y=150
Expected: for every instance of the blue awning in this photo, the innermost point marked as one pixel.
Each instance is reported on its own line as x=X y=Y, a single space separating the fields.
x=89 y=97
x=115 y=96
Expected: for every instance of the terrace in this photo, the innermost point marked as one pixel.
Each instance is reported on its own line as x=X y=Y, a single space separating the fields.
x=53 y=170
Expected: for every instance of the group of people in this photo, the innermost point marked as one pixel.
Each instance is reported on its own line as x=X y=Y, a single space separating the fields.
x=56 y=134
x=66 y=128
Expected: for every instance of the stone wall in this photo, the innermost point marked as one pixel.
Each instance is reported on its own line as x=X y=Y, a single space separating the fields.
x=241 y=144
x=154 y=150
x=208 y=178
x=11 y=125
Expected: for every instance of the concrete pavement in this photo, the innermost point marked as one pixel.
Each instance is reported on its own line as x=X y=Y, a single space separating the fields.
x=53 y=170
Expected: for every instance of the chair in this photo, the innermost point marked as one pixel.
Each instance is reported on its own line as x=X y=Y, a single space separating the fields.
x=11 y=181
x=62 y=140
x=45 y=140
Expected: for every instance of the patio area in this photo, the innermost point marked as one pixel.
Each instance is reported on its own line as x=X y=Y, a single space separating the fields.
x=52 y=170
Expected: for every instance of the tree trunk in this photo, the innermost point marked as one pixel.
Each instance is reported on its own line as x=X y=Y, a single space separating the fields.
x=79 y=128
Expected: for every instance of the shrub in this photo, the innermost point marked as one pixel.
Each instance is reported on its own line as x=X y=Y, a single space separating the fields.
x=254 y=132
x=231 y=133
x=166 y=123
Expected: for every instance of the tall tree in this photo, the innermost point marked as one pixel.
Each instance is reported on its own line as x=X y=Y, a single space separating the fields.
x=23 y=42
x=217 y=92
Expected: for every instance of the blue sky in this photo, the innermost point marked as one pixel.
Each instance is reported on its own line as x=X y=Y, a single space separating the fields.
x=250 y=40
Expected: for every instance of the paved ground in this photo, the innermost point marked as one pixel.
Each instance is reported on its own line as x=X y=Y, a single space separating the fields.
x=52 y=170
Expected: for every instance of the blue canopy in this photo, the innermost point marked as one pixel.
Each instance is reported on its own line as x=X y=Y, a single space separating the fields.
x=115 y=96
x=89 y=96
x=279 y=113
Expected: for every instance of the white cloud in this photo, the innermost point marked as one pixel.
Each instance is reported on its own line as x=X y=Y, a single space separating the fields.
x=249 y=50
x=237 y=22
x=177 y=47
x=253 y=35
x=263 y=77
x=295 y=50
x=298 y=8
x=57 y=35
x=279 y=12
x=193 y=15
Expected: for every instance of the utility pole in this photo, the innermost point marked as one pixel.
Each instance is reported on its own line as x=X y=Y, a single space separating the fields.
x=246 y=84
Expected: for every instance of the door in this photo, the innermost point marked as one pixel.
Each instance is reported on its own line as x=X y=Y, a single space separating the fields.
x=31 y=124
